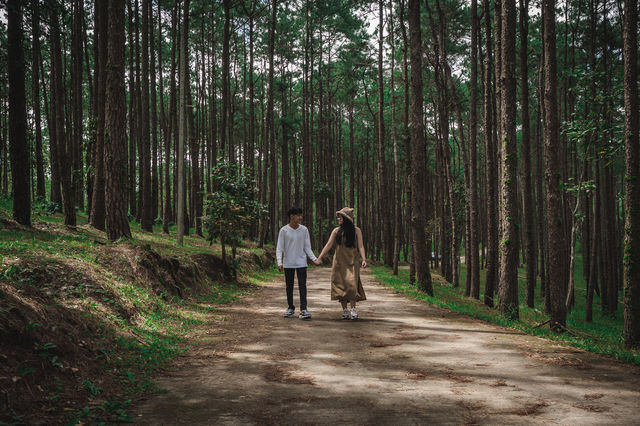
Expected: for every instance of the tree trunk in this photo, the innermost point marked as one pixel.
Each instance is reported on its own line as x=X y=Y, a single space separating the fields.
x=576 y=222
x=528 y=192
x=154 y=118
x=132 y=115
x=145 y=142
x=182 y=126
x=225 y=78
x=307 y=147
x=137 y=99
x=57 y=115
x=508 y=279
x=418 y=153
x=76 y=104
x=115 y=141
x=383 y=191
x=35 y=91
x=632 y=176
x=553 y=177
x=406 y=134
x=397 y=189
x=472 y=257
x=273 y=167
x=18 y=144
x=97 y=215
x=252 y=95
x=167 y=215
x=194 y=151
x=590 y=246
x=491 y=168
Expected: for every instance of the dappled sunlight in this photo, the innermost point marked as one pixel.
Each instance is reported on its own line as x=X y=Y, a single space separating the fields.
x=403 y=362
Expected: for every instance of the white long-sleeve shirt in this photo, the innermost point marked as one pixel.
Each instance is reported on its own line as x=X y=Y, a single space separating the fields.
x=294 y=245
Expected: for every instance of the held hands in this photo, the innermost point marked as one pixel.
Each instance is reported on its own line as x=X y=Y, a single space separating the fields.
x=317 y=262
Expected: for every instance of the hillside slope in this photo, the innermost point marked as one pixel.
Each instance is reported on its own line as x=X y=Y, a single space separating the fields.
x=84 y=323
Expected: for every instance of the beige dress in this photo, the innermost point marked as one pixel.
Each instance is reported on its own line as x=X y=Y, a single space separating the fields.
x=345 y=275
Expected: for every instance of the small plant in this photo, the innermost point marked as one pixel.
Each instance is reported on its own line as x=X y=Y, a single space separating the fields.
x=46 y=347
x=23 y=371
x=43 y=206
x=56 y=394
x=131 y=377
x=92 y=389
x=11 y=273
x=16 y=419
x=32 y=326
x=44 y=352
x=117 y=410
x=53 y=359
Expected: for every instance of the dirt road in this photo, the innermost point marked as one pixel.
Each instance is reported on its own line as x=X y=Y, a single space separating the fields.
x=403 y=362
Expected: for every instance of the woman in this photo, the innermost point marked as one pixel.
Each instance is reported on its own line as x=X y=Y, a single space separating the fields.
x=346 y=286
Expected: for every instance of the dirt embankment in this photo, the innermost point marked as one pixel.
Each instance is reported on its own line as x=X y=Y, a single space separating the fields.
x=63 y=321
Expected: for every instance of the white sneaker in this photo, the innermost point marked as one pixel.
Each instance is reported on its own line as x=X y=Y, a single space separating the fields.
x=354 y=313
x=289 y=313
x=304 y=314
x=345 y=314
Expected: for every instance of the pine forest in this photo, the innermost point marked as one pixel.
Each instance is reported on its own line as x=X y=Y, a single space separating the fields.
x=489 y=148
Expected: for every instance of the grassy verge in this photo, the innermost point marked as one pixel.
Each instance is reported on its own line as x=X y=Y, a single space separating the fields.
x=602 y=336
x=85 y=323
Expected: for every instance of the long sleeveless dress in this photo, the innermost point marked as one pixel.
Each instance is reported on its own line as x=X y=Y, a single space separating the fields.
x=345 y=275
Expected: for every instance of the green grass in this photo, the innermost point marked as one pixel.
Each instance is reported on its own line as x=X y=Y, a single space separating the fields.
x=603 y=335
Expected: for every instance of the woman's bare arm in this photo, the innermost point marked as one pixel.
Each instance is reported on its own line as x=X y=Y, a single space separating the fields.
x=361 y=247
x=329 y=244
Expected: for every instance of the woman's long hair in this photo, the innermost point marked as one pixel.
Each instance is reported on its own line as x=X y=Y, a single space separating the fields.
x=348 y=231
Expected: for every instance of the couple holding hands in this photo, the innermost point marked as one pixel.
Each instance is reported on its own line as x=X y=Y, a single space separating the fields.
x=294 y=245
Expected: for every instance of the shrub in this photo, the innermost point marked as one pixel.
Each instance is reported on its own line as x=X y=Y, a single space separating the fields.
x=232 y=207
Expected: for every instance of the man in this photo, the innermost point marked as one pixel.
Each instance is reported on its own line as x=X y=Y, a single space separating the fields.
x=294 y=245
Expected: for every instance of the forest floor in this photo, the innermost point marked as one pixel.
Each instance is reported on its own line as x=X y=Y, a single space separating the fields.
x=403 y=362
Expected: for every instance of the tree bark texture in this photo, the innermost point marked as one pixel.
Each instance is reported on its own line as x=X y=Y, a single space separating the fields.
x=97 y=215
x=115 y=140
x=509 y=256
x=528 y=192
x=35 y=90
x=18 y=144
x=553 y=177
x=65 y=154
x=491 y=167
x=418 y=153
x=632 y=179
x=473 y=261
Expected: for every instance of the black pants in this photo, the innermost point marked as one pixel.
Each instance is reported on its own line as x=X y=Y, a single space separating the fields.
x=302 y=286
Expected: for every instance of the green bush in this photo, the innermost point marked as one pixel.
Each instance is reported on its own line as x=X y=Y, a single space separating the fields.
x=232 y=207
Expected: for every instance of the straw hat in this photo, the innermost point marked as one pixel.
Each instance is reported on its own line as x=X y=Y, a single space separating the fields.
x=346 y=212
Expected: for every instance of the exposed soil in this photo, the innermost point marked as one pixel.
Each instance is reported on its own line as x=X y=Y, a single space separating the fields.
x=402 y=362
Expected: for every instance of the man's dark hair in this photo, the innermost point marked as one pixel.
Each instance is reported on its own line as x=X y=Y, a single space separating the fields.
x=294 y=210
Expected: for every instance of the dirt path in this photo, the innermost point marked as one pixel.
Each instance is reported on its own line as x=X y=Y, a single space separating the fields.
x=403 y=362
